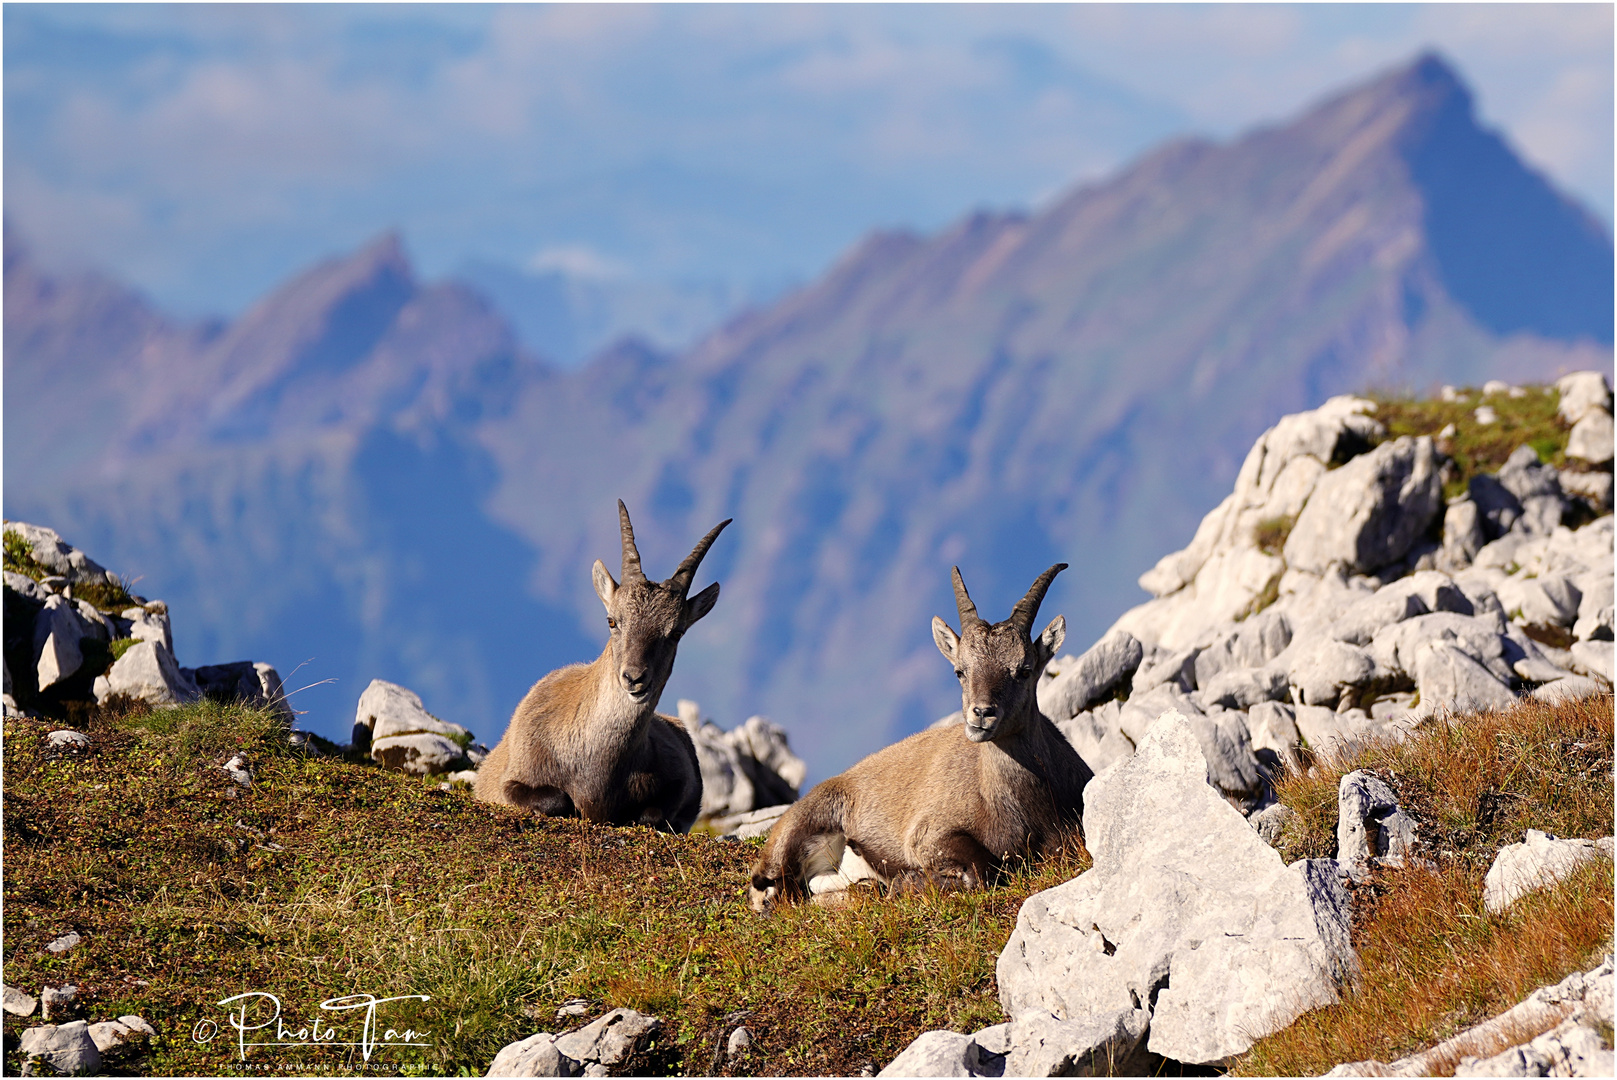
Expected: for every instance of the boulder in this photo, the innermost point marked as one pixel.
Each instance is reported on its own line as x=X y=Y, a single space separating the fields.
x=58 y=630
x=1321 y=669
x=1251 y=643
x=766 y=743
x=1497 y=509
x=1242 y=688
x=421 y=754
x=109 y=1033
x=67 y=1048
x=1569 y=688
x=1582 y=998
x=734 y=781
x=1370 y=828
x=1369 y=512
x=750 y=824
x=1188 y=928
x=1537 y=488
x=147 y=672
x=1447 y=678
x=388 y=709
x=591 y=1050
x=1551 y=600
x=1340 y=735
x=1593 y=487
x=26 y=586
x=612 y=1039
x=1097 y=737
x=1591 y=438
x=1582 y=392
x=1086 y=680
x=1361 y=619
x=1176 y=668
x=1538 y=862
x=1272 y=725
x=1463 y=532
x=1394 y=648
x=1592 y=658
x=945 y=1053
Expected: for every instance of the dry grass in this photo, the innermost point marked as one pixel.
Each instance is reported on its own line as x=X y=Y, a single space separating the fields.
x=331 y=878
x=1434 y=960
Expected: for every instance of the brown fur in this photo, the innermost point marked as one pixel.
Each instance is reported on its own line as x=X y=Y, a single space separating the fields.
x=587 y=739
x=949 y=806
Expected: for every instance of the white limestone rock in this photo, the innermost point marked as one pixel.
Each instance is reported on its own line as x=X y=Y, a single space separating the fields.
x=1592 y=658
x=1582 y=392
x=387 y=709
x=1273 y=726
x=937 y=1053
x=750 y=824
x=1369 y=512
x=1449 y=679
x=59 y=629
x=1321 y=669
x=147 y=672
x=1463 y=533
x=1242 y=688
x=67 y=1048
x=67 y=740
x=1181 y=887
x=1084 y=681
x=610 y=1040
x=109 y=1033
x=1370 y=828
x=734 y=780
x=1251 y=643
x=1591 y=439
x=57 y=556
x=1333 y=735
x=534 y=1056
x=420 y=754
x=1568 y=688
x=26 y=586
x=1538 y=862
x=1097 y=736
x=1395 y=648
x=255 y=684
x=18 y=1003
x=1593 y=487
x=1359 y=622
x=150 y=623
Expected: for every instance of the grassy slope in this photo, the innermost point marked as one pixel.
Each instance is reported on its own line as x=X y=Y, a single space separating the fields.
x=1434 y=960
x=386 y=885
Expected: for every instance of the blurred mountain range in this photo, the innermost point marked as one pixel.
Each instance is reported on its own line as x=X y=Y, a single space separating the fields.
x=367 y=472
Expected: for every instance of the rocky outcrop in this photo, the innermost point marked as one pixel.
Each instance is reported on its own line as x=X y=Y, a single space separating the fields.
x=1555 y=1032
x=744 y=770
x=66 y=648
x=1538 y=862
x=1314 y=608
x=1188 y=936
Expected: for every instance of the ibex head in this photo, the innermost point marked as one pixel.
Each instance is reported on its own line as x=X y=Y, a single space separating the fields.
x=999 y=665
x=647 y=618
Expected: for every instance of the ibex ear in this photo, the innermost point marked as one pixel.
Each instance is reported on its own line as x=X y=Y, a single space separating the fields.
x=1051 y=639
x=605 y=587
x=701 y=603
x=946 y=638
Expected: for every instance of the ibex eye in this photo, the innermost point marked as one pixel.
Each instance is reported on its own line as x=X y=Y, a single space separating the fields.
x=1021 y=672
x=959 y=673
x=611 y=623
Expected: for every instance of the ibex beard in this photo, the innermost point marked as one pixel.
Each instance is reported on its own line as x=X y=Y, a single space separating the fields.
x=949 y=807
x=587 y=739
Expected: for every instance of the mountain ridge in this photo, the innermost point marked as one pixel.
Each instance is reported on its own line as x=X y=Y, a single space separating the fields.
x=989 y=396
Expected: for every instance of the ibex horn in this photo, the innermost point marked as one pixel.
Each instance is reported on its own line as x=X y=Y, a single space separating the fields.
x=687 y=569
x=962 y=600
x=1027 y=608
x=631 y=554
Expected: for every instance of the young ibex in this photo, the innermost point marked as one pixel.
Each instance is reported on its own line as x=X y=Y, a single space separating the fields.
x=948 y=806
x=587 y=738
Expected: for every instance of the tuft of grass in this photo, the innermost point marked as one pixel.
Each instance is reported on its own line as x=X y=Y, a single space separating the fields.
x=329 y=878
x=1476 y=448
x=19 y=557
x=110 y=595
x=1270 y=534
x=1434 y=960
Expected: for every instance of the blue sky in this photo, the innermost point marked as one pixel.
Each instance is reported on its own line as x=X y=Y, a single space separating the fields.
x=203 y=153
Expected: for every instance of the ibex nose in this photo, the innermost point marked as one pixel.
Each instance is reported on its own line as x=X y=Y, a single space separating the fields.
x=983 y=712
x=633 y=678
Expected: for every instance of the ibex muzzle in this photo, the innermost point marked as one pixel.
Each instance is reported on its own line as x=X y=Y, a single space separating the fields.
x=947 y=807
x=587 y=739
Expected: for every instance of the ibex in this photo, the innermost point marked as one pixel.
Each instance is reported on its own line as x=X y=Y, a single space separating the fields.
x=949 y=806
x=587 y=738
